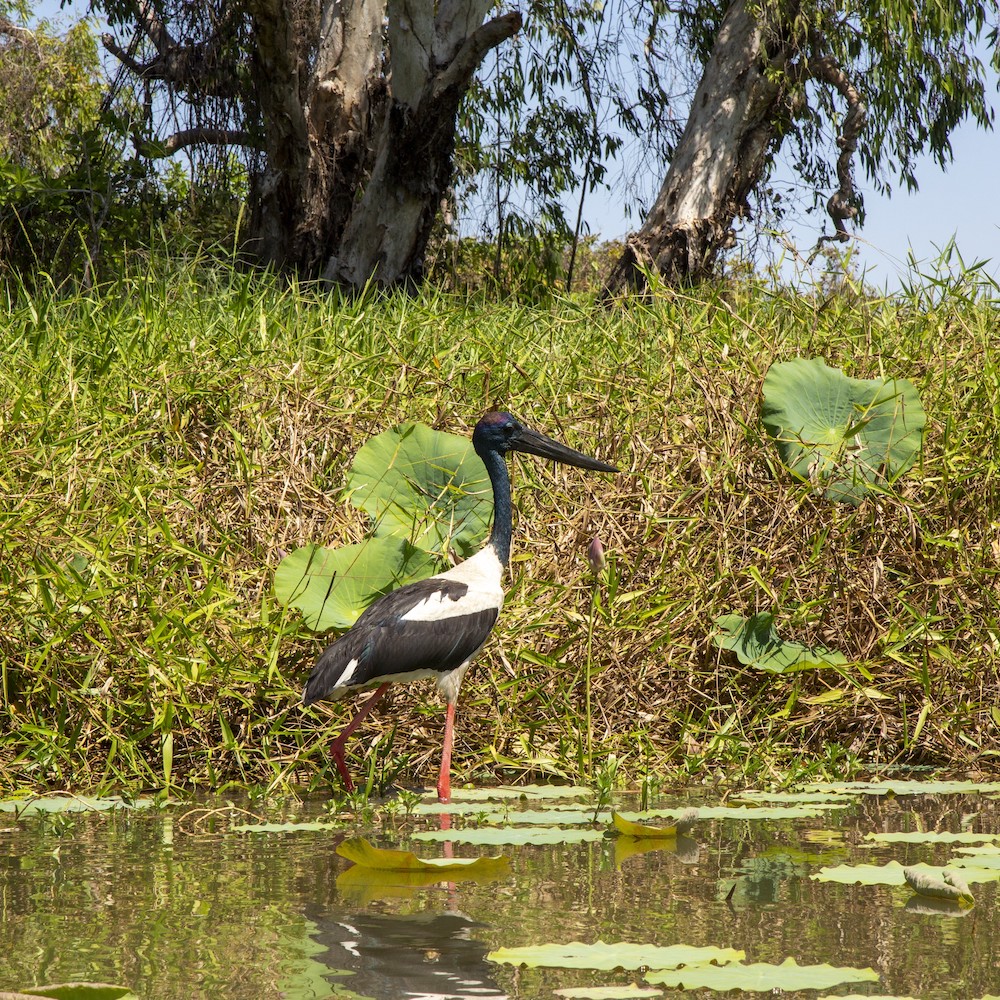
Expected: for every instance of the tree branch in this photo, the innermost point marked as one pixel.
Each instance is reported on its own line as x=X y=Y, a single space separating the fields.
x=841 y=204
x=15 y=31
x=203 y=135
x=488 y=36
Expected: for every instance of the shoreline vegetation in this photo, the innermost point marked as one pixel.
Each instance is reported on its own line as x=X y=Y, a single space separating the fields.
x=166 y=438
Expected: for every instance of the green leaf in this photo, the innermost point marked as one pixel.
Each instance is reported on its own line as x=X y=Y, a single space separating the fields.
x=756 y=644
x=361 y=852
x=78 y=991
x=932 y=837
x=509 y=835
x=946 y=885
x=629 y=828
x=331 y=587
x=631 y=992
x=892 y=873
x=605 y=957
x=426 y=486
x=70 y=804
x=842 y=434
x=762 y=977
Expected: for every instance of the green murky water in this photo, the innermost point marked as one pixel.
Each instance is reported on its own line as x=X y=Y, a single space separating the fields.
x=174 y=904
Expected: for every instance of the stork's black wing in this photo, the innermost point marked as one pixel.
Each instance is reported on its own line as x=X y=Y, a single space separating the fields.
x=383 y=645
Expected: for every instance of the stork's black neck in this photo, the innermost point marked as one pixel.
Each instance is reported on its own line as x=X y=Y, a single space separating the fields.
x=496 y=466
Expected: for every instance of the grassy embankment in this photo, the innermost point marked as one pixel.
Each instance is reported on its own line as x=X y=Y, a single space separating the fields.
x=167 y=438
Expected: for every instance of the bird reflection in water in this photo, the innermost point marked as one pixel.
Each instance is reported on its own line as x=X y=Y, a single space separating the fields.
x=421 y=956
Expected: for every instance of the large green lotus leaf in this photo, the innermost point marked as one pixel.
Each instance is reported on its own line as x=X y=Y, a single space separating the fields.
x=331 y=587
x=810 y=811
x=762 y=977
x=843 y=434
x=70 y=804
x=605 y=957
x=756 y=644
x=426 y=486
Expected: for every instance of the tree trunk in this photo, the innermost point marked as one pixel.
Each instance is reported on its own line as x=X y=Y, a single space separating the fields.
x=732 y=129
x=357 y=158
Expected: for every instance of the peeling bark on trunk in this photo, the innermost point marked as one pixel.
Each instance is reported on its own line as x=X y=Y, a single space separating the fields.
x=351 y=104
x=357 y=159
x=733 y=125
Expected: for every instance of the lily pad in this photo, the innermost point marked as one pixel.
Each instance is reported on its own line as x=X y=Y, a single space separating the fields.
x=756 y=643
x=331 y=587
x=948 y=885
x=426 y=486
x=361 y=852
x=631 y=992
x=629 y=828
x=842 y=434
x=70 y=804
x=810 y=811
x=307 y=827
x=892 y=874
x=78 y=991
x=932 y=837
x=522 y=835
x=761 y=977
x=605 y=957
x=904 y=787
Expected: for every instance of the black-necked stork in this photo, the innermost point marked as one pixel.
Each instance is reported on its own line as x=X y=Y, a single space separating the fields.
x=433 y=628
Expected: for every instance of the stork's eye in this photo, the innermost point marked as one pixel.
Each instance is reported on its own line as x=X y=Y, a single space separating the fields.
x=508 y=430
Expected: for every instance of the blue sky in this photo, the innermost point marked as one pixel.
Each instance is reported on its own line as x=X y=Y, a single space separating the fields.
x=959 y=203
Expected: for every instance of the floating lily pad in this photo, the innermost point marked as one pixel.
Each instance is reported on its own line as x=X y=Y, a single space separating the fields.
x=78 y=991
x=361 y=852
x=631 y=992
x=844 y=435
x=306 y=827
x=522 y=835
x=629 y=828
x=734 y=812
x=823 y=800
x=426 y=486
x=546 y=817
x=756 y=643
x=947 y=885
x=985 y=862
x=521 y=792
x=605 y=957
x=892 y=874
x=761 y=977
x=932 y=837
x=904 y=787
x=70 y=804
x=331 y=587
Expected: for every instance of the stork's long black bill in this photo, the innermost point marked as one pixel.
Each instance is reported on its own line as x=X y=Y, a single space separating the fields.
x=538 y=444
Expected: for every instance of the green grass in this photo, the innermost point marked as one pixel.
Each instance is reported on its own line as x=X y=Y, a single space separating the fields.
x=167 y=438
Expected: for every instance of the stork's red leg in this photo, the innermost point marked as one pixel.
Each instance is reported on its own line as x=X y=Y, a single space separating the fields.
x=444 y=781
x=337 y=746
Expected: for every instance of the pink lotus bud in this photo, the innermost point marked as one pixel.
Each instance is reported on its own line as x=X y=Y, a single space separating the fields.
x=595 y=555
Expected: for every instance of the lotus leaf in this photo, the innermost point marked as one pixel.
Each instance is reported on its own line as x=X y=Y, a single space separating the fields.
x=331 y=587
x=932 y=837
x=629 y=828
x=631 y=992
x=762 y=977
x=948 y=885
x=494 y=835
x=892 y=873
x=70 y=804
x=426 y=486
x=844 y=435
x=756 y=644
x=361 y=852
x=78 y=991
x=605 y=957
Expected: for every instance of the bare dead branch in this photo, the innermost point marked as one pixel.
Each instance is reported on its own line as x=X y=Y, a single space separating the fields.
x=841 y=204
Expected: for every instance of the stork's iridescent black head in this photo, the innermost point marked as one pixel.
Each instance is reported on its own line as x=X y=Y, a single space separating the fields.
x=500 y=433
